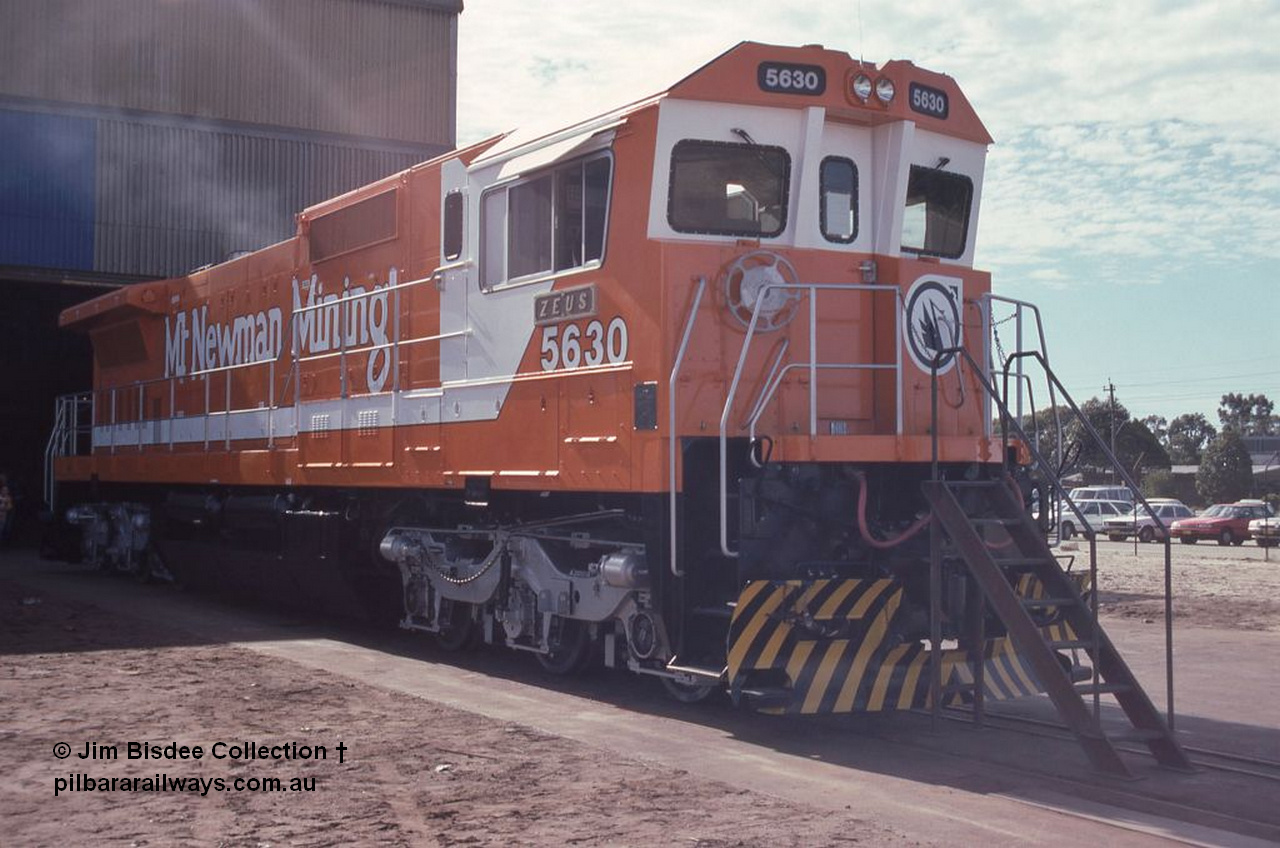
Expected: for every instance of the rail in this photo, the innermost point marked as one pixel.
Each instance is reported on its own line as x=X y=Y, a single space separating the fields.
x=111 y=399
x=812 y=366
x=993 y=354
x=1050 y=473
x=673 y=439
x=73 y=419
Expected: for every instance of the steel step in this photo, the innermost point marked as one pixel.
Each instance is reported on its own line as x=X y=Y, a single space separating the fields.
x=768 y=696
x=1102 y=688
x=1044 y=603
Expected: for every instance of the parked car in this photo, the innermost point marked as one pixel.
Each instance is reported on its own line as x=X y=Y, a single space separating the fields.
x=1094 y=512
x=1228 y=523
x=1101 y=493
x=1144 y=523
x=1265 y=531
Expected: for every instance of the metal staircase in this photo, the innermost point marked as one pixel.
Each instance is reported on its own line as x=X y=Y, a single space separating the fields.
x=991 y=532
x=966 y=512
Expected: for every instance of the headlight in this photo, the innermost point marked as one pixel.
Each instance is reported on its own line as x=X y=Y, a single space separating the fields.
x=862 y=86
x=884 y=90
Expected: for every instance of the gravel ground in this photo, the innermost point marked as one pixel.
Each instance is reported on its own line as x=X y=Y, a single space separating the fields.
x=1234 y=588
x=414 y=772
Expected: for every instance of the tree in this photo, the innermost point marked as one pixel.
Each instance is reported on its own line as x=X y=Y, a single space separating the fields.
x=1135 y=444
x=1159 y=484
x=1226 y=472
x=1138 y=449
x=1186 y=437
x=1248 y=415
x=1159 y=427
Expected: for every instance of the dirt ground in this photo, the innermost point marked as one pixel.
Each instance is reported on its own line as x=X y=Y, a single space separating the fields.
x=1234 y=588
x=414 y=772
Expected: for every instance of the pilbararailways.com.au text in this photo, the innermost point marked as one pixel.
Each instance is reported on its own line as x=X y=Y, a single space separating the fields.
x=77 y=782
x=173 y=751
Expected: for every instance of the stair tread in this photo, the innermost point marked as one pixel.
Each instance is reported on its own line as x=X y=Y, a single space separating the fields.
x=1070 y=643
x=1138 y=735
x=1049 y=602
x=1102 y=688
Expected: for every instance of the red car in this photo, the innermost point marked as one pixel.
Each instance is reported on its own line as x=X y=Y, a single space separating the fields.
x=1228 y=523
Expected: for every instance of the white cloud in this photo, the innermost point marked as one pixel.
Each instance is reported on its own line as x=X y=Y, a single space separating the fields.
x=1131 y=139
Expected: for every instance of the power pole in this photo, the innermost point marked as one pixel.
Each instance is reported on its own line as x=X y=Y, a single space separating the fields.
x=1110 y=388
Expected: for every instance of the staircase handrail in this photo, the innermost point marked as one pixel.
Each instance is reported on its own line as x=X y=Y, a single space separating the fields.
x=1111 y=458
x=1006 y=419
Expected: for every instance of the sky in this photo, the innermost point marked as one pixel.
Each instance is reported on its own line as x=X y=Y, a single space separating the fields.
x=1133 y=190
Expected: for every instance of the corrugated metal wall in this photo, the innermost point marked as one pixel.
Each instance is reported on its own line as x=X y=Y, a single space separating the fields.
x=369 y=68
x=170 y=199
x=149 y=137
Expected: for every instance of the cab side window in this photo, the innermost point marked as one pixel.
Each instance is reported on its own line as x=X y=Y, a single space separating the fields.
x=550 y=221
x=451 y=234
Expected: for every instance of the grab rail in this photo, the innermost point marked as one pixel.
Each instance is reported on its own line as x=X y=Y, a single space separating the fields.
x=812 y=366
x=1006 y=421
x=673 y=440
x=64 y=440
x=342 y=307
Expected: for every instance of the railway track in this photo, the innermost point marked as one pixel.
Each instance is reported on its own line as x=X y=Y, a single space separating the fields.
x=1207 y=758
x=1160 y=804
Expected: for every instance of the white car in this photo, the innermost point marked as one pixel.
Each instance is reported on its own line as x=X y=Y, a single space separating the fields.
x=1095 y=514
x=1101 y=493
x=1265 y=531
x=1144 y=523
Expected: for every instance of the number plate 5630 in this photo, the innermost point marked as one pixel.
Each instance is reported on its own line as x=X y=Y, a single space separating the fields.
x=570 y=346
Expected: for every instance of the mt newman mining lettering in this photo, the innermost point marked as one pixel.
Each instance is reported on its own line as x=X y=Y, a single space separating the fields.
x=354 y=319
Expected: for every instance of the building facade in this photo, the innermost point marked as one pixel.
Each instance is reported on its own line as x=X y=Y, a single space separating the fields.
x=145 y=138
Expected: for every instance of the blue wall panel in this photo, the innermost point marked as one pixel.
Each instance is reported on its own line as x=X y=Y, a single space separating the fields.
x=46 y=190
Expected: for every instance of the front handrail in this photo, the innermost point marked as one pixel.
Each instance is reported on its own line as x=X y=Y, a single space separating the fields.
x=812 y=365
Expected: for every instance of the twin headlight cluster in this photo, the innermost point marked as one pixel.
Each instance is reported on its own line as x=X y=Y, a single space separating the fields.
x=883 y=88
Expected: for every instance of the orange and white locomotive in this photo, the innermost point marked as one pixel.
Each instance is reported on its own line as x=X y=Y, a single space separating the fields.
x=663 y=385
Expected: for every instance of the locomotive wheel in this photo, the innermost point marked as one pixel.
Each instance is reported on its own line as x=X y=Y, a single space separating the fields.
x=571 y=651
x=458 y=628
x=688 y=693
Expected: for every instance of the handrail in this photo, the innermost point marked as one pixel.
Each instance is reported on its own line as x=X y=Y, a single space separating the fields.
x=341 y=304
x=812 y=365
x=672 y=439
x=1019 y=305
x=64 y=439
x=1007 y=420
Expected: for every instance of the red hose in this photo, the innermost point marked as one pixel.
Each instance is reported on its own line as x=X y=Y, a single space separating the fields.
x=915 y=528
